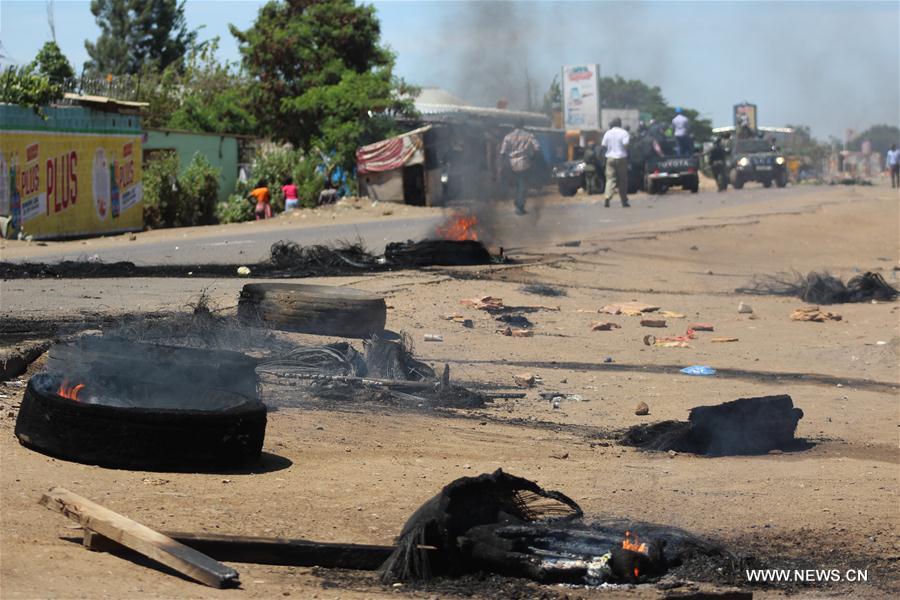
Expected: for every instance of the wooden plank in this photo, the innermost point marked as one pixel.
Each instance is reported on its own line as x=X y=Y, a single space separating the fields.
x=281 y=551
x=140 y=538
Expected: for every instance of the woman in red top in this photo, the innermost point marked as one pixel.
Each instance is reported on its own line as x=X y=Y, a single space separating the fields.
x=260 y=194
x=290 y=194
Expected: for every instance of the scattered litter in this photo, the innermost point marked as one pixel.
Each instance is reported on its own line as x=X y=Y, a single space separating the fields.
x=671 y=314
x=698 y=370
x=744 y=309
x=433 y=337
x=519 y=321
x=510 y=332
x=609 y=359
x=632 y=309
x=701 y=327
x=243 y=271
x=456 y=318
x=723 y=339
x=483 y=303
x=881 y=343
x=642 y=409
x=563 y=456
x=814 y=313
x=823 y=288
x=653 y=322
x=525 y=379
x=604 y=326
x=540 y=289
x=468 y=323
x=569 y=244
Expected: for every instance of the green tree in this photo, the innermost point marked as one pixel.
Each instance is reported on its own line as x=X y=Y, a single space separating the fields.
x=321 y=78
x=803 y=144
x=881 y=137
x=137 y=32
x=53 y=64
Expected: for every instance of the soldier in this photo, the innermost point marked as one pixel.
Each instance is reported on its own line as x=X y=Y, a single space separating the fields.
x=717 y=157
x=591 y=180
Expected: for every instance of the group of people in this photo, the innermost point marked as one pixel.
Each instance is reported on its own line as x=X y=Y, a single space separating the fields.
x=519 y=148
x=262 y=198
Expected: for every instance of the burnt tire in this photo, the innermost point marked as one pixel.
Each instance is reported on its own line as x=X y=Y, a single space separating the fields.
x=436 y=252
x=316 y=309
x=141 y=438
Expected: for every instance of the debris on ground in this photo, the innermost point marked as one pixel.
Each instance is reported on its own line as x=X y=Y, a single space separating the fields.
x=642 y=409
x=701 y=327
x=604 y=326
x=510 y=332
x=720 y=340
x=515 y=320
x=744 y=309
x=823 y=288
x=433 y=337
x=701 y=370
x=540 y=289
x=743 y=426
x=631 y=309
x=653 y=322
x=483 y=302
x=669 y=314
x=814 y=313
x=525 y=379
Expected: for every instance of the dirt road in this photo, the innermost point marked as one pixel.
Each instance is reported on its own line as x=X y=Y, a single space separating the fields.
x=355 y=472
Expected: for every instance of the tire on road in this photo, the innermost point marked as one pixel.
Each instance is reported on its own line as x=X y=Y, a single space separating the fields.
x=316 y=309
x=139 y=437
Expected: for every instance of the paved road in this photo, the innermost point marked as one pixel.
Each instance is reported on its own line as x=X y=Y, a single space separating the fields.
x=552 y=222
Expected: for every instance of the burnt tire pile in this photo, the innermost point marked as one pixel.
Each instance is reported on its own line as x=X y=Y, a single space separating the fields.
x=316 y=309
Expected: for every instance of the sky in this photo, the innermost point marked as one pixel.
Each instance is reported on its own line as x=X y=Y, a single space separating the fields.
x=830 y=65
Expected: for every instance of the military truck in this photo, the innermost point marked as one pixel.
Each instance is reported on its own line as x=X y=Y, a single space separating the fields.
x=755 y=159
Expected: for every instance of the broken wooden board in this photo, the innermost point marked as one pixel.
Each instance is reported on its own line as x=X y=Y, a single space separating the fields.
x=140 y=538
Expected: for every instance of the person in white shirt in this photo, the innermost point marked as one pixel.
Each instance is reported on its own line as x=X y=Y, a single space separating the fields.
x=681 y=128
x=616 y=140
x=893 y=163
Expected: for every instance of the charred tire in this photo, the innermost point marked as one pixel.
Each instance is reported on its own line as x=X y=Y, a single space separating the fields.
x=425 y=253
x=567 y=190
x=141 y=438
x=317 y=309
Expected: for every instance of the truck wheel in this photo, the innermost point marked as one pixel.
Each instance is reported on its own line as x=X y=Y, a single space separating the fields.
x=736 y=181
x=649 y=187
x=693 y=185
x=567 y=190
x=781 y=180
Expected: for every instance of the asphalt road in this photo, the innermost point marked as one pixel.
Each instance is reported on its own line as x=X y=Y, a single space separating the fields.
x=551 y=222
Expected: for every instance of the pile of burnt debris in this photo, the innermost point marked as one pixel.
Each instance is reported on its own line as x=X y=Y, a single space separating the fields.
x=493 y=524
x=743 y=426
x=823 y=288
x=286 y=259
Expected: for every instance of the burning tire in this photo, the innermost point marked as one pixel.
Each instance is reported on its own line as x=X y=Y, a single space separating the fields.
x=317 y=309
x=449 y=252
x=228 y=432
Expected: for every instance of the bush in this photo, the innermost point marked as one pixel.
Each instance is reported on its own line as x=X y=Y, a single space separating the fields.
x=173 y=200
x=234 y=210
x=160 y=184
x=199 y=187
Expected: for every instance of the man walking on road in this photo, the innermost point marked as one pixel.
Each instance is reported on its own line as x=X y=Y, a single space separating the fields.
x=615 y=140
x=519 y=148
x=893 y=164
x=681 y=128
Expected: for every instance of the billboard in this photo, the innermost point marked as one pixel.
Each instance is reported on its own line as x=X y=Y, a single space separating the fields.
x=581 y=97
x=745 y=115
x=56 y=184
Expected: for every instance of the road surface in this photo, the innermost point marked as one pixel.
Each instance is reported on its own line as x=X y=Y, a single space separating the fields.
x=546 y=222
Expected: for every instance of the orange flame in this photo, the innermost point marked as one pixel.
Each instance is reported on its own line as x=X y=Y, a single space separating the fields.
x=459 y=227
x=70 y=391
x=631 y=542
